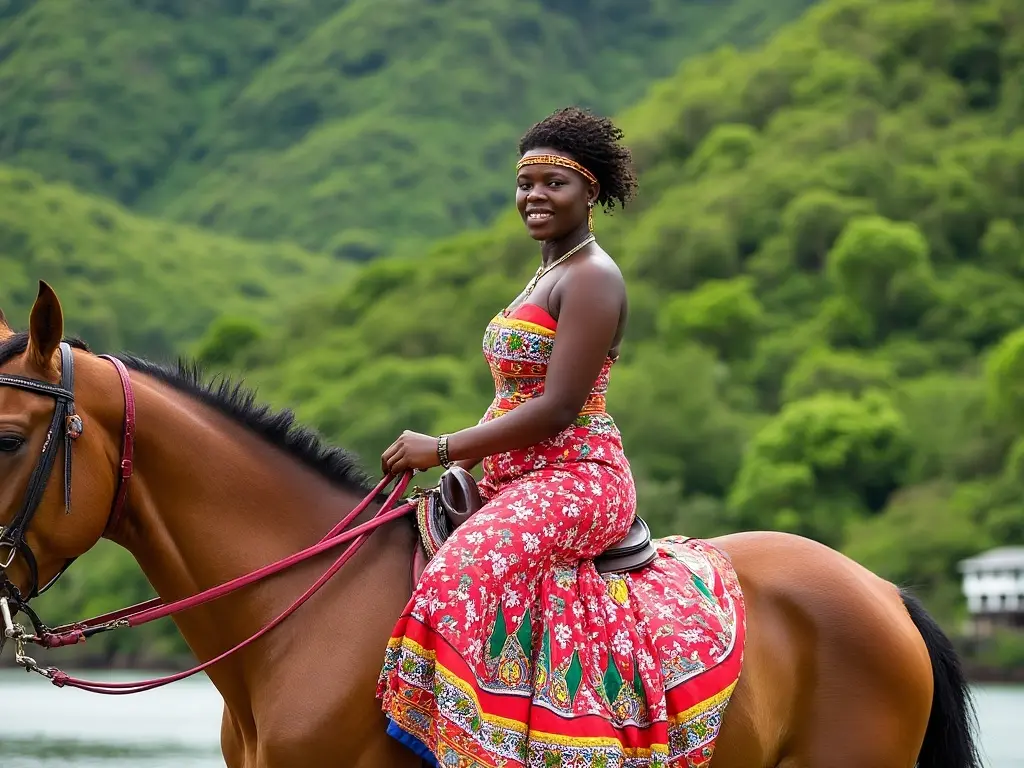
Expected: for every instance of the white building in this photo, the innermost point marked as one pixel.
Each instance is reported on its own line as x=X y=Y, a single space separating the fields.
x=993 y=583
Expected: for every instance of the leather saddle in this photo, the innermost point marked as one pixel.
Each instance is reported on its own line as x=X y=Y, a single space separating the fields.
x=456 y=498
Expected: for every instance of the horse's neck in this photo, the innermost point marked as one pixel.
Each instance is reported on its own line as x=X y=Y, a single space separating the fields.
x=211 y=501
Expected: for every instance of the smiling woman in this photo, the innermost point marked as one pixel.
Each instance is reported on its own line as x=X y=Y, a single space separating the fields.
x=570 y=162
x=587 y=145
x=514 y=649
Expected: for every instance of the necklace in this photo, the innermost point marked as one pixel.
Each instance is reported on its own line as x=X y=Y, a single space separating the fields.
x=542 y=270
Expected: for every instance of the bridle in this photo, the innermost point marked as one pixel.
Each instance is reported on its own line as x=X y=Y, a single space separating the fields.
x=66 y=426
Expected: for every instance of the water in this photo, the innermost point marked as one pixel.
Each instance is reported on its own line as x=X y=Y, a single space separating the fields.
x=41 y=726
x=1001 y=715
x=178 y=726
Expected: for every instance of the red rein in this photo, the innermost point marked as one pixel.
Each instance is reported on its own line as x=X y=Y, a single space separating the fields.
x=155 y=609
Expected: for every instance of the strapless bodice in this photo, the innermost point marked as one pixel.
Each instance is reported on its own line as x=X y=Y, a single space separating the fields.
x=517 y=346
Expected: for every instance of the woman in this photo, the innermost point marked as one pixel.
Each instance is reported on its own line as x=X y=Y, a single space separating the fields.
x=513 y=650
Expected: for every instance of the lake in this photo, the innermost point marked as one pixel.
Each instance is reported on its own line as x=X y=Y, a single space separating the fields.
x=178 y=726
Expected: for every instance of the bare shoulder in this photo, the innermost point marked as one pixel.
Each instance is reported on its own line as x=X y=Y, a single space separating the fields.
x=598 y=272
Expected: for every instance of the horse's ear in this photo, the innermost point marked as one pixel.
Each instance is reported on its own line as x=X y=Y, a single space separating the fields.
x=46 y=329
x=5 y=329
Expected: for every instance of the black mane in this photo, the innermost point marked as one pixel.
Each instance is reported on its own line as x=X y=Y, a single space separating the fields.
x=237 y=402
x=16 y=345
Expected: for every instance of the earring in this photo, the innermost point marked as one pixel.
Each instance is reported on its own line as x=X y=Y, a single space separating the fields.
x=590 y=215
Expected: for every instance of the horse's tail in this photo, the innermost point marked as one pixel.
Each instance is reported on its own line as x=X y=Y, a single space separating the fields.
x=949 y=740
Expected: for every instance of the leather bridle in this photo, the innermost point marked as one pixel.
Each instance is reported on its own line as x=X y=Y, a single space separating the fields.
x=65 y=427
x=68 y=424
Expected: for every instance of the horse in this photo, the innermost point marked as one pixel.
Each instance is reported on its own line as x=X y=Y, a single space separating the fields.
x=841 y=668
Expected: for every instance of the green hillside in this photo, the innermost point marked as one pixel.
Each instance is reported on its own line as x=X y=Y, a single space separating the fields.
x=826 y=271
x=131 y=282
x=345 y=125
x=106 y=93
x=826 y=249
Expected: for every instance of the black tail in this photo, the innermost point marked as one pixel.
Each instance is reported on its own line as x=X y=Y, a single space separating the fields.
x=949 y=741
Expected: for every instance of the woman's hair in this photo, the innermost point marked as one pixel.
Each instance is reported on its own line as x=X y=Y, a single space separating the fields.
x=593 y=142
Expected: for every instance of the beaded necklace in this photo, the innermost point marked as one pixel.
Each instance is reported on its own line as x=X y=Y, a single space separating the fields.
x=542 y=270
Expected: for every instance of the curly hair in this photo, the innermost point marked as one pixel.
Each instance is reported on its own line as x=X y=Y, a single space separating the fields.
x=593 y=142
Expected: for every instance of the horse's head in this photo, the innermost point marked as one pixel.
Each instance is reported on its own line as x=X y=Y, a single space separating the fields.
x=58 y=408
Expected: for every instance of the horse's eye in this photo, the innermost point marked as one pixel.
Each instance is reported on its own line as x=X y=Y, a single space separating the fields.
x=10 y=443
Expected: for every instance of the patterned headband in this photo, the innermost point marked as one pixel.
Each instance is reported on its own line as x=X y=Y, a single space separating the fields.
x=557 y=160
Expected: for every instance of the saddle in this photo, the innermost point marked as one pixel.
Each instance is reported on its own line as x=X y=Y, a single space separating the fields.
x=442 y=509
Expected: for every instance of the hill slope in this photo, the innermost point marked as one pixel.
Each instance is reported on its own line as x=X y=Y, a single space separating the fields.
x=128 y=281
x=340 y=124
x=826 y=249
x=106 y=93
x=826 y=269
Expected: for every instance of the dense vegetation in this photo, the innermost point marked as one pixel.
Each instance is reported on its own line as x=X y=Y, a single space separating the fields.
x=826 y=268
x=341 y=125
x=129 y=282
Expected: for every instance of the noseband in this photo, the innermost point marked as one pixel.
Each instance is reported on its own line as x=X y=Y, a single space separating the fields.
x=65 y=427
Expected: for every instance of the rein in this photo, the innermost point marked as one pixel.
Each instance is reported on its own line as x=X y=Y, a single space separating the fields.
x=13 y=537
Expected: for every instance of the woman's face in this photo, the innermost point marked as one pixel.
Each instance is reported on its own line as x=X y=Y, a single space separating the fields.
x=551 y=199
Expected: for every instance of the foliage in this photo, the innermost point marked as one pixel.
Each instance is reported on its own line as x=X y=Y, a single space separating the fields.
x=129 y=282
x=882 y=268
x=1006 y=379
x=722 y=314
x=1005 y=650
x=818 y=461
x=826 y=296
x=342 y=125
x=824 y=255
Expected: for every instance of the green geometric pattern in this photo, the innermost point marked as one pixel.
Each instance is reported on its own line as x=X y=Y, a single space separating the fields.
x=612 y=680
x=499 y=636
x=574 y=676
x=525 y=635
x=703 y=588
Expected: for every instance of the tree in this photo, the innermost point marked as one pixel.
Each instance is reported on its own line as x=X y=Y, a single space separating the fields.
x=821 y=462
x=814 y=220
x=724 y=315
x=883 y=267
x=1004 y=372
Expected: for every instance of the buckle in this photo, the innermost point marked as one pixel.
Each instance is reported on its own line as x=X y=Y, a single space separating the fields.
x=5 y=564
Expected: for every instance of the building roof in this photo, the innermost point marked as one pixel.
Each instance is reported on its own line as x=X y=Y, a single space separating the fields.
x=998 y=558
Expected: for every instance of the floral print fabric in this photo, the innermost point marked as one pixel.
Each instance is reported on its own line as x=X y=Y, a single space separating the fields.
x=515 y=651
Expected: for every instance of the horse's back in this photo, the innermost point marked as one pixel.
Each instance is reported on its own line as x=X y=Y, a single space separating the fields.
x=835 y=672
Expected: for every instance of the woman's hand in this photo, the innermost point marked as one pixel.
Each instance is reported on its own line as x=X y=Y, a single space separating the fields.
x=411 y=450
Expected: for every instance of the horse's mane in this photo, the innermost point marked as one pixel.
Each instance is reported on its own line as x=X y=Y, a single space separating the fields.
x=16 y=345
x=238 y=402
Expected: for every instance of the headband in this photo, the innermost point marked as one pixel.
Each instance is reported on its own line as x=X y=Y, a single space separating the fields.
x=558 y=160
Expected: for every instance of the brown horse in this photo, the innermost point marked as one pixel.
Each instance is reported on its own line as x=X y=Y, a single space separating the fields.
x=841 y=669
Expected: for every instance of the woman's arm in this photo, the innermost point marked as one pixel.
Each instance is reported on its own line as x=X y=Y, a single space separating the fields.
x=588 y=319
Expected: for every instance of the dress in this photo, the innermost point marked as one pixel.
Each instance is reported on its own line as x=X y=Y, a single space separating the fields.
x=514 y=651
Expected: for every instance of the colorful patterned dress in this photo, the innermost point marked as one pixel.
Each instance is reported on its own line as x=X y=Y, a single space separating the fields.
x=514 y=651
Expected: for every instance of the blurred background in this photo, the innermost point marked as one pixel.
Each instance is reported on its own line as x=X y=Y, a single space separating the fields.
x=825 y=263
